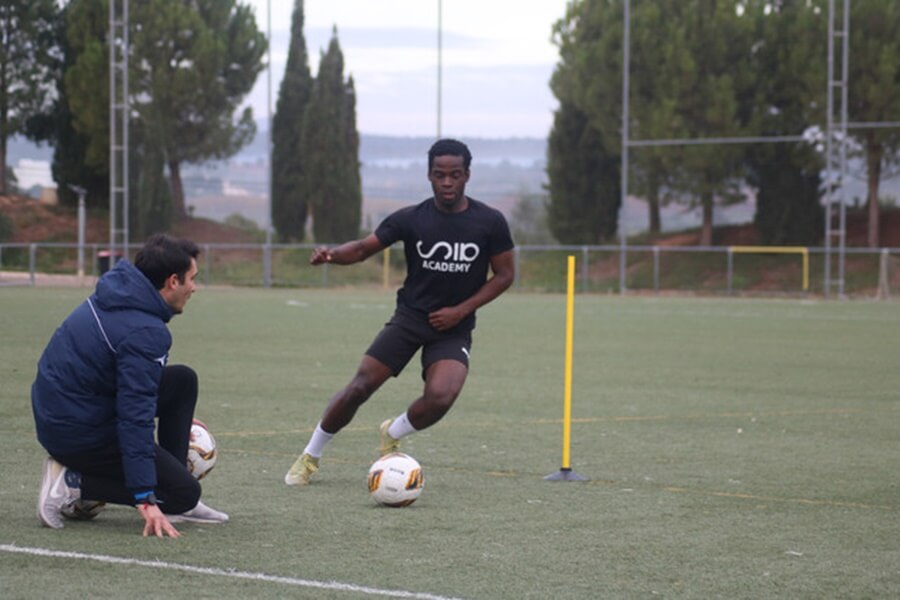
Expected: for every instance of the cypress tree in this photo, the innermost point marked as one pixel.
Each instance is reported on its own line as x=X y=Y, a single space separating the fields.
x=583 y=162
x=584 y=181
x=351 y=221
x=289 y=202
x=331 y=145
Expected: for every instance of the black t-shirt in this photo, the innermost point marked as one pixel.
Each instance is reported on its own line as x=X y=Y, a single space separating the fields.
x=447 y=254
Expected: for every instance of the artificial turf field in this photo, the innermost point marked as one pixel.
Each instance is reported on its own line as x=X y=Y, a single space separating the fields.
x=735 y=448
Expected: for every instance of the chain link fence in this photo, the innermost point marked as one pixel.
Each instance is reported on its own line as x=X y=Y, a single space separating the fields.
x=612 y=269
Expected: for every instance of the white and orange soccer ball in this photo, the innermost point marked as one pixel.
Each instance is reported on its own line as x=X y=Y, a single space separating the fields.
x=396 y=480
x=202 y=453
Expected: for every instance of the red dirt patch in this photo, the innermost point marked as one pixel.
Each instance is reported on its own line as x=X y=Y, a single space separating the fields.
x=746 y=235
x=34 y=222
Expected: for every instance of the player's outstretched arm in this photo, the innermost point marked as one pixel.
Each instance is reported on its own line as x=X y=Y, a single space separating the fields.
x=347 y=253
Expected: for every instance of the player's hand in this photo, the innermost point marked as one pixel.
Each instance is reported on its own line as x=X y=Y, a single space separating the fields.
x=446 y=318
x=320 y=255
x=155 y=522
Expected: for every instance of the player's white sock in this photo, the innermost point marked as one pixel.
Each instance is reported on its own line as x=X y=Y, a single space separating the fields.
x=401 y=427
x=317 y=442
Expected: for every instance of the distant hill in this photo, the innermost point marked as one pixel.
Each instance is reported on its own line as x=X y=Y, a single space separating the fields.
x=393 y=172
x=378 y=149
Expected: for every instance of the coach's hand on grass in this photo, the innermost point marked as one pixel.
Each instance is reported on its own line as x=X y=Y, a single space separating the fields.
x=155 y=522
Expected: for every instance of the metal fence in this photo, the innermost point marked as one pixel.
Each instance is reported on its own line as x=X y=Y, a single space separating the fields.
x=713 y=270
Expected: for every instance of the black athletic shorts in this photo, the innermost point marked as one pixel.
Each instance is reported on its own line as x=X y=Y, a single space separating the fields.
x=406 y=332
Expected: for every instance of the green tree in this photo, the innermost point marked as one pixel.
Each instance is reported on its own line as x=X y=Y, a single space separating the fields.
x=289 y=202
x=331 y=146
x=874 y=93
x=590 y=77
x=788 y=68
x=716 y=76
x=687 y=87
x=584 y=181
x=192 y=65
x=86 y=78
x=583 y=158
x=70 y=147
x=27 y=57
x=6 y=228
x=154 y=194
x=657 y=81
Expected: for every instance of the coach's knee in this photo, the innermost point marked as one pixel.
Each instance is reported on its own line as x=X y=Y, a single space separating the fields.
x=180 y=381
x=182 y=375
x=181 y=496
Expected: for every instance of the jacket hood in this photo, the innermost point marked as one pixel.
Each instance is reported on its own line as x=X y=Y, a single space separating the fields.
x=125 y=287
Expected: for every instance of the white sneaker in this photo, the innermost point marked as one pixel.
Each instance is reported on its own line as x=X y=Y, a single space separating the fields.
x=200 y=514
x=55 y=495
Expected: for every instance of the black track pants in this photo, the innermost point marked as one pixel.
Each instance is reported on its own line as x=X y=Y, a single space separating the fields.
x=102 y=477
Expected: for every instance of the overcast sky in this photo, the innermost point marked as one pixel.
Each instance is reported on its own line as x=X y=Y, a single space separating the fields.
x=497 y=62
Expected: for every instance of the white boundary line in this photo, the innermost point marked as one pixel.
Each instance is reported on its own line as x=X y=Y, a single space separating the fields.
x=157 y=564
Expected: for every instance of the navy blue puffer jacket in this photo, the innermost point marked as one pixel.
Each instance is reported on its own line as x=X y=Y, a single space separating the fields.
x=97 y=380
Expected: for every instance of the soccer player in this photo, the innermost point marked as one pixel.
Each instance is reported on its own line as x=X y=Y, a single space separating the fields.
x=102 y=380
x=450 y=241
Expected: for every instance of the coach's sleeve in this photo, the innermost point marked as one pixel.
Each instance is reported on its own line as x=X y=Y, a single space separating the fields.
x=140 y=361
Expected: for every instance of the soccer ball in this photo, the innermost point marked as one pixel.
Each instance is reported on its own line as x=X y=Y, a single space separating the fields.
x=396 y=480
x=202 y=455
x=83 y=510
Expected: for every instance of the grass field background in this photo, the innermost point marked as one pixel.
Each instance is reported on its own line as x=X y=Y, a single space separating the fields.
x=735 y=448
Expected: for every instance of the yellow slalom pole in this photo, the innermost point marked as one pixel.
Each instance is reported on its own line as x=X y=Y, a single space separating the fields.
x=567 y=394
x=566 y=473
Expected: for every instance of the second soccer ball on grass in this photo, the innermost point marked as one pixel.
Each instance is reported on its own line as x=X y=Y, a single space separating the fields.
x=201 y=450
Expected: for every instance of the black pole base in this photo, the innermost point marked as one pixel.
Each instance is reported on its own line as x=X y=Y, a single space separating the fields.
x=565 y=475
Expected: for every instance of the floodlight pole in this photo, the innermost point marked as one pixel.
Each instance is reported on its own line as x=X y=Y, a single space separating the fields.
x=440 y=47
x=118 y=130
x=626 y=82
x=836 y=158
x=267 y=251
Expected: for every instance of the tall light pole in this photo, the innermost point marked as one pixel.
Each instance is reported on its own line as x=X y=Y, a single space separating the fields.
x=439 y=64
x=118 y=130
x=267 y=252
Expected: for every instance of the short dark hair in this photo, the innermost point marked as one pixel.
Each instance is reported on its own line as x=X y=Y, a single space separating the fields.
x=449 y=147
x=162 y=255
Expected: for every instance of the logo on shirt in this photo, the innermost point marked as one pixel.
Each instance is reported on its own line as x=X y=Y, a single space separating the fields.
x=449 y=258
x=162 y=360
